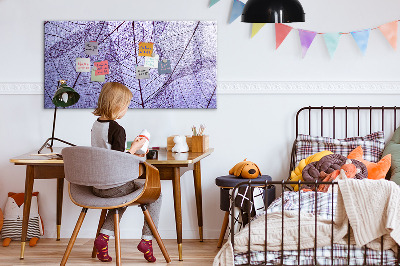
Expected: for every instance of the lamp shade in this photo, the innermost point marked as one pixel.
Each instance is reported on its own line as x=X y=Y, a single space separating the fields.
x=65 y=96
x=273 y=11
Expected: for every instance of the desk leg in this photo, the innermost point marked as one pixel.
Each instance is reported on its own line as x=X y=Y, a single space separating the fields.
x=199 y=204
x=176 y=182
x=60 y=190
x=27 y=206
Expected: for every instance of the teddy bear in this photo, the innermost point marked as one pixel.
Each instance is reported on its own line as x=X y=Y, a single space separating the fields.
x=180 y=144
x=13 y=215
x=245 y=169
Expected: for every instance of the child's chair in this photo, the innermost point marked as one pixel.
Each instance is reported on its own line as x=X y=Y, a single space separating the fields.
x=85 y=167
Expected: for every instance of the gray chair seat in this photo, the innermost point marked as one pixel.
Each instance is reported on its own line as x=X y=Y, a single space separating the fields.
x=83 y=196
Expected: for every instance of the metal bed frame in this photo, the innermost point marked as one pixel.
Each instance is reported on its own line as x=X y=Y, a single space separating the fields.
x=283 y=184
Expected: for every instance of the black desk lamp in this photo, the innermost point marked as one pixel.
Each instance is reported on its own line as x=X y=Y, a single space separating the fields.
x=273 y=11
x=64 y=96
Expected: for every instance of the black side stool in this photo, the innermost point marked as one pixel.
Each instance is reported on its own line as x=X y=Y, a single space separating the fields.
x=228 y=182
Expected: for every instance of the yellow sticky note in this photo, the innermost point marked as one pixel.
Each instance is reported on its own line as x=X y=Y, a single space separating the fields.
x=145 y=48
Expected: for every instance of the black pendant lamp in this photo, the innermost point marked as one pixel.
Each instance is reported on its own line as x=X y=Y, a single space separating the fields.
x=273 y=11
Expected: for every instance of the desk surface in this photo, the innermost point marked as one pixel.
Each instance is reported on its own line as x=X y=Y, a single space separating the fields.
x=164 y=157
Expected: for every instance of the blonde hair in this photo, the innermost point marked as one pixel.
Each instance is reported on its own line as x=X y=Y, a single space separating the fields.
x=113 y=97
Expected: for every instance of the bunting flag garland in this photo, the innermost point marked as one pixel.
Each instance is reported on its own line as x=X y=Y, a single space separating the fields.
x=237 y=8
x=213 y=2
x=306 y=39
x=361 y=37
x=256 y=27
x=389 y=30
x=332 y=41
x=281 y=31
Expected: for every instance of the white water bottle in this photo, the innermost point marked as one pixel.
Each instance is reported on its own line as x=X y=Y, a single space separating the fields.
x=144 y=134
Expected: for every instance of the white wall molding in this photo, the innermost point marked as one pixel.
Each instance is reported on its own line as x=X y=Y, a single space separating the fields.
x=260 y=87
x=21 y=88
x=309 y=87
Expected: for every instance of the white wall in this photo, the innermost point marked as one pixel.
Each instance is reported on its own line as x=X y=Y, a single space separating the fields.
x=258 y=127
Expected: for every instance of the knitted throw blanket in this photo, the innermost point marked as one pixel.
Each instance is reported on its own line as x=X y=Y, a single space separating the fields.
x=274 y=235
x=373 y=209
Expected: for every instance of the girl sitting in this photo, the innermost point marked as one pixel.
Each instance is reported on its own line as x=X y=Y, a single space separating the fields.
x=114 y=100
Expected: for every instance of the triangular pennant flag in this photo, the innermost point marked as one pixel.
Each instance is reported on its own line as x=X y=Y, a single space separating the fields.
x=255 y=28
x=361 y=37
x=213 y=2
x=237 y=9
x=332 y=41
x=390 y=32
x=281 y=31
x=306 y=39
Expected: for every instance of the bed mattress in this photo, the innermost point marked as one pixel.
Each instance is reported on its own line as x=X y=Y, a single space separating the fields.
x=324 y=207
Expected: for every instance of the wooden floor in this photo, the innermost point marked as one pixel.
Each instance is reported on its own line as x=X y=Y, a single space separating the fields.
x=50 y=252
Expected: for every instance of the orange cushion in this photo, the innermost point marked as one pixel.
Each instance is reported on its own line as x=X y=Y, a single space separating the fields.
x=375 y=170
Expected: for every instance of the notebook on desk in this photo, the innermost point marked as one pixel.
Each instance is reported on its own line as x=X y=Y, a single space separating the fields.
x=52 y=155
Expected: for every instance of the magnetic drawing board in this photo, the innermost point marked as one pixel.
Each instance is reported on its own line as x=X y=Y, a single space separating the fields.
x=189 y=46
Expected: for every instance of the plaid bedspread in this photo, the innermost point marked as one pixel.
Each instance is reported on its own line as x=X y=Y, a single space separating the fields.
x=321 y=205
x=324 y=257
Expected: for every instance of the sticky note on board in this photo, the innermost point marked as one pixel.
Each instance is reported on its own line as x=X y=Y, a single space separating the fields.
x=142 y=72
x=83 y=65
x=91 y=48
x=99 y=78
x=164 y=67
x=151 y=62
x=145 y=48
x=102 y=68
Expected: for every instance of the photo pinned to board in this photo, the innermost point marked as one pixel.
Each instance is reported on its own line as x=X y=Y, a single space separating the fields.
x=92 y=48
x=142 y=72
x=98 y=78
x=151 y=62
x=83 y=65
x=164 y=67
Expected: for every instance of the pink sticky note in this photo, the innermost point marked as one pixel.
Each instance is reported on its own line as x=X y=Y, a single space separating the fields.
x=102 y=68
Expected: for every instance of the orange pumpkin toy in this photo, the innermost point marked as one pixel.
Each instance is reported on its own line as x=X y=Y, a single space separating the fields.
x=245 y=169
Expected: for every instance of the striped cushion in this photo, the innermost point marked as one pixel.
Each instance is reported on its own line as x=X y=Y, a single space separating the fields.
x=13 y=228
x=372 y=145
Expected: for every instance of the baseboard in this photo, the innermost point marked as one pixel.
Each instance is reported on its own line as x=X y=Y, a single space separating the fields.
x=259 y=87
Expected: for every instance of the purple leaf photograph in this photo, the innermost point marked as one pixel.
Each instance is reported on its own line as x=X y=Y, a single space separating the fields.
x=190 y=47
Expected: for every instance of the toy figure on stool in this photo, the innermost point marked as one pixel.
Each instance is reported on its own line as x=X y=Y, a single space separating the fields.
x=245 y=169
x=13 y=215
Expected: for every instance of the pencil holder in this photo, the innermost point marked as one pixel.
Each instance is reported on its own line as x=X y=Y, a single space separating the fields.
x=200 y=143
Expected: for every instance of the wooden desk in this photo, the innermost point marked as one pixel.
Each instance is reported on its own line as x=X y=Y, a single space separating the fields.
x=171 y=167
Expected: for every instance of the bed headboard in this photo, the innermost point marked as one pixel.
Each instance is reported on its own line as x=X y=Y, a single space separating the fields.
x=344 y=118
x=344 y=121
